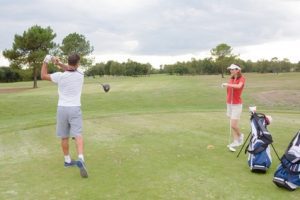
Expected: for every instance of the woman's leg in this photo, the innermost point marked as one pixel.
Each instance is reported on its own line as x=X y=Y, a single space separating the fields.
x=236 y=130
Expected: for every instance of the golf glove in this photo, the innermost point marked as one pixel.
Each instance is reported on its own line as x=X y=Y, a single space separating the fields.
x=224 y=85
x=47 y=58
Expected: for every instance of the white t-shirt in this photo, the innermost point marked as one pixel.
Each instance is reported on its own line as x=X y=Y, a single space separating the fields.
x=69 y=87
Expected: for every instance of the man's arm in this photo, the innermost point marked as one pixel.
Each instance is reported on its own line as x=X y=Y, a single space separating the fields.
x=61 y=65
x=56 y=61
x=44 y=70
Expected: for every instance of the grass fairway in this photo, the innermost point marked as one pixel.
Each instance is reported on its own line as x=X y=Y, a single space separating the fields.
x=145 y=139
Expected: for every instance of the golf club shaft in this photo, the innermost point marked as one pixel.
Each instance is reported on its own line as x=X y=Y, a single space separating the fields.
x=230 y=131
x=229 y=138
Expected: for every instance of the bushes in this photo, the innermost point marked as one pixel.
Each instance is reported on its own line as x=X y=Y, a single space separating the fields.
x=14 y=74
x=130 y=68
x=8 y=74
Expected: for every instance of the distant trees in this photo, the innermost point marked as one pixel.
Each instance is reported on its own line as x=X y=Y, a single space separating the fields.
x=209 y=66
x=30 y=49
x=8 y=74
x=223 y=56
x=129 y=68
x=77 y=43
x=205 y=66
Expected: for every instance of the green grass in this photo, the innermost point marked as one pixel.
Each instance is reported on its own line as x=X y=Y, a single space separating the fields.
x=145 y=139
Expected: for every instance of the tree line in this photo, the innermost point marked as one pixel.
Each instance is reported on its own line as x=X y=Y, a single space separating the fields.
x=206 y=66
x=221 y=57
x=113 y=68
x=209 y=66
x=29 y=49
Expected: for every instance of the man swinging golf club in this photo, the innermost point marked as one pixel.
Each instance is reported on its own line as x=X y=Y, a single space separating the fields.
x=235 y=88
x=69 y=118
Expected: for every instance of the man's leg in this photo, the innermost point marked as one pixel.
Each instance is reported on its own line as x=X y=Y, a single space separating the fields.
x=79 y=146
x=65 y=149
x=65 y=146
x=80 y=162
x=75 y=131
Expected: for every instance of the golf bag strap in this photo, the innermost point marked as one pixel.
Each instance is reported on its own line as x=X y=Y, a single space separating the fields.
x=75 y=70
x=267 y=138
x=257 y=115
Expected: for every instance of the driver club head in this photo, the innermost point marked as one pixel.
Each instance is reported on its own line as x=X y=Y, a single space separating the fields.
x=106 y=87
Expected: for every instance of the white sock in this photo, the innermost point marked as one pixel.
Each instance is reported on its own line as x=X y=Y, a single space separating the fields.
x=67 y=159
x=80 y=156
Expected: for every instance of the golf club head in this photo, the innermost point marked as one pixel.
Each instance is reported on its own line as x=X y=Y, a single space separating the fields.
x=106 y=87
x=252 y=109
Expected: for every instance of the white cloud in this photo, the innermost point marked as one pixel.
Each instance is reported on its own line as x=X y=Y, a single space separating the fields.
x=3 y=61
x=155 y=60
x=131 y=45
x=162 y=29
x=267 y=51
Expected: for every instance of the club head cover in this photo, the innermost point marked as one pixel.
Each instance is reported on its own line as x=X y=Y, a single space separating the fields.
x=252 y=109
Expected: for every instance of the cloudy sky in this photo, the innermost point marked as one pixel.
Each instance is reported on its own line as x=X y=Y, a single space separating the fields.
x=162 y=31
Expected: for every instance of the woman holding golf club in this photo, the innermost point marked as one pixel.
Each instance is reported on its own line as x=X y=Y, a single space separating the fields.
x=235 y=88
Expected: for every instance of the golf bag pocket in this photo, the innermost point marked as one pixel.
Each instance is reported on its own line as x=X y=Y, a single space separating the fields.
x=287 y=174
x=259 y=159
x=286 y=177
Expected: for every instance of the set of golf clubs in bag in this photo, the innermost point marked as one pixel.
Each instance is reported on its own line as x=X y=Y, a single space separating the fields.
x=287 y=174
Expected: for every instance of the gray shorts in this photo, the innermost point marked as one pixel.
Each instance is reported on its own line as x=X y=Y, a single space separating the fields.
x=68 y=121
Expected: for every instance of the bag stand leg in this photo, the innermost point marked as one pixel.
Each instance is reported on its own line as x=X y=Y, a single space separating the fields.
x=243 y=145
x=275 y=152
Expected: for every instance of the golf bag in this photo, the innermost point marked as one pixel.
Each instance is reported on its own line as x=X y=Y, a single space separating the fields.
x=287 y=174
x=259 y=159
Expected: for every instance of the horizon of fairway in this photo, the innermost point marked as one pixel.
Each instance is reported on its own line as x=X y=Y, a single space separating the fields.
x=147 y=138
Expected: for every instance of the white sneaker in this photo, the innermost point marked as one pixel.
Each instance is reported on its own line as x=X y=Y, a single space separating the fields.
x=234 y=144
x=232 y=149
